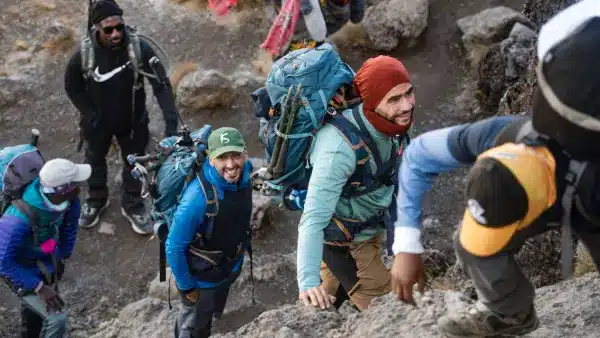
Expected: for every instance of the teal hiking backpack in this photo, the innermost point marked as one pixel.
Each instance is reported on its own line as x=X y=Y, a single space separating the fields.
x=320 y=72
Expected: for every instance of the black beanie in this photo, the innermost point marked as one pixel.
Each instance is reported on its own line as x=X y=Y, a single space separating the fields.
x=104 y=9
x=570 y=69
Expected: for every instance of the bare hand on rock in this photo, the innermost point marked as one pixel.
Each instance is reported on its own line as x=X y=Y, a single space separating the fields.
x=317 y=297
x=407 y=270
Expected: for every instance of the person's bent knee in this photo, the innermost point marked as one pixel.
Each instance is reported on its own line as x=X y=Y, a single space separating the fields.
x=58 y=319
x=55 y=325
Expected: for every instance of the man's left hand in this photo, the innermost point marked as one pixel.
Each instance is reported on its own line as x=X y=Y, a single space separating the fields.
x=317 y=297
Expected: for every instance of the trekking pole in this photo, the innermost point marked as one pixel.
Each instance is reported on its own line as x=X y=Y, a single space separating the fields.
x=279 y=168
x=35 y=135
x=280 y=128
x=161 y=76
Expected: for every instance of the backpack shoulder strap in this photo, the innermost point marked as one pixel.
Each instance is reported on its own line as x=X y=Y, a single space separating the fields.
x=366 y=137
x=519 y=131
x=33 y=217
x=134 y=42
x=34 y=222
x=572 y=178
x=134 y=52
x=212 y=203
x=87 y=56
x=364 y=146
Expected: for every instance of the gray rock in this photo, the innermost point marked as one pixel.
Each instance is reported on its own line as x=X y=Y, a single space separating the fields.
x=290 y=321
x=269 y=268
x=504 y=64
x=204 y=89
x=18 y=59
x=148 y=317
x=160 y=290
x=569 y=309
x=389 y=23
x=518 y=49
x=107 y=228
x=260 y=207
x=490 y=25
x=209 y=89
x=486 y=28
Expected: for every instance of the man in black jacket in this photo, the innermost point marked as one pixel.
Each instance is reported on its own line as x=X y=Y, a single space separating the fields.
x=109 y=93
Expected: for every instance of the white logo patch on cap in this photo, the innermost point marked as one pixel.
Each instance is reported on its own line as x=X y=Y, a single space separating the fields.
x=476 y=211
x=224 y=138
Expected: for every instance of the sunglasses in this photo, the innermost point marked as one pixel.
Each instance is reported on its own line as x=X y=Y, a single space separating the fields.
x=109 y=29
x=63 y=189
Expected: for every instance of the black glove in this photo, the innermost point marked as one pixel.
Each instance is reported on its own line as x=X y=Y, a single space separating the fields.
x=60 y=270
x=51 y=299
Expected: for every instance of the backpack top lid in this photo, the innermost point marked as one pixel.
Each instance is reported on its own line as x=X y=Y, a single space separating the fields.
x=317 y=69
x=321 y=73
x=19 y=166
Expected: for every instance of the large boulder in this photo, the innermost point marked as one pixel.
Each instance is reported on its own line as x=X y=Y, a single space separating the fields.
x=518 y=96
x=392 y=22
x=567 y=309
x=504 y=64
x=210 y=89
x=486 y=28
x=148 y=318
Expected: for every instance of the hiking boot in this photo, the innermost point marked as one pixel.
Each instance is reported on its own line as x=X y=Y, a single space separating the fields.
x=139 y=219
x=481 y=322
x=90 y=214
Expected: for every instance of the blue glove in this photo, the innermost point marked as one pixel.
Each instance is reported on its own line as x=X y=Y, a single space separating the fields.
x=295 y=200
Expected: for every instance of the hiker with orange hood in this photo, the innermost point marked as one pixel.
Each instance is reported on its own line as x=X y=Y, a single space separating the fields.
x=347 y=201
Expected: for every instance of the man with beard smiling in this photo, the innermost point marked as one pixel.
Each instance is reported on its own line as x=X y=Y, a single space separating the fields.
x=111 y=99
x=343 y=229
x=206 y=253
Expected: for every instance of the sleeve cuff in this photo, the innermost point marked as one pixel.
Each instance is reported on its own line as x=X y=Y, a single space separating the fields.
x=408 y=240
x=38 y=287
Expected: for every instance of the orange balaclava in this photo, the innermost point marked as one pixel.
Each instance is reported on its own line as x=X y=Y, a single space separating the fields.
x=372 y=82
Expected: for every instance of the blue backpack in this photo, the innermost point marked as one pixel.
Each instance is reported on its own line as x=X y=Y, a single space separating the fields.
x=19 y=166
x=173 y=168
x=320 y=72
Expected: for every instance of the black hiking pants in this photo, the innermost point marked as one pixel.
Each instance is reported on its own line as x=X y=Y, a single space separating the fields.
x=498 y=279
x=194 y=320
x=98 y=143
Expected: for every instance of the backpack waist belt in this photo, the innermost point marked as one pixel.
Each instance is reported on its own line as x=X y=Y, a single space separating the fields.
x=341 y=231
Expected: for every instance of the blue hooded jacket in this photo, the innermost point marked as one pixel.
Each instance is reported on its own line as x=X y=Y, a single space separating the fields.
x=18 y=255
x=188 y=220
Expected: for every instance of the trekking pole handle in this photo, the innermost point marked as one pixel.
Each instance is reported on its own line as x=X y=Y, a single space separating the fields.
x=132 y=159
x=161 y=75
x=35 y=135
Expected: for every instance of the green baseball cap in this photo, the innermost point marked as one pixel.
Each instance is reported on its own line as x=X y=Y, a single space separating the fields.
x=225 y=140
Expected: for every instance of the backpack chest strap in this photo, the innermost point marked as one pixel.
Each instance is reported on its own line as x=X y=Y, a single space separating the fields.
x=364 y=147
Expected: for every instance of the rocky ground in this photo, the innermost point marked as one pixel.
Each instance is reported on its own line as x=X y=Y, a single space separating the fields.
x=467 y=58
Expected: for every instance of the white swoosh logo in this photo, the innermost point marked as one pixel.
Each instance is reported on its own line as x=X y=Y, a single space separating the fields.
x=104 y=77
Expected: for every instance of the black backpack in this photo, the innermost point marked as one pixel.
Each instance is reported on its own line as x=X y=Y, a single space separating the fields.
x=577 y=186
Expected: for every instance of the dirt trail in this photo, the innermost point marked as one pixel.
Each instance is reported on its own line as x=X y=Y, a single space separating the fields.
x=108 y=271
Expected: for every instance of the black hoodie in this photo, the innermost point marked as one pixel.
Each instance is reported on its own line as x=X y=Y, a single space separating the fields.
x=107 y=105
